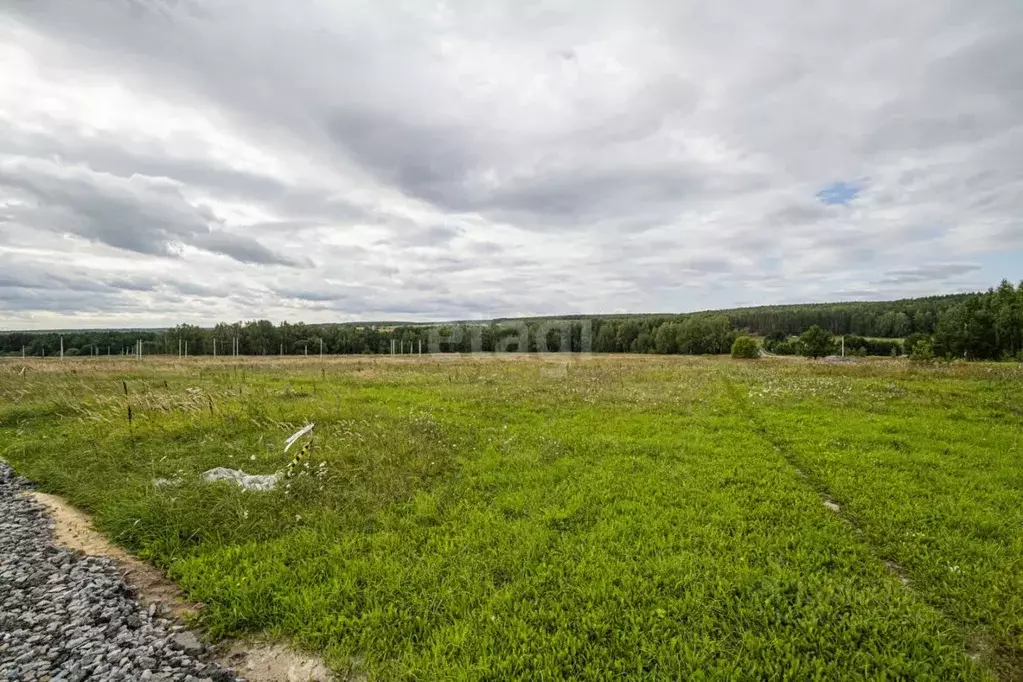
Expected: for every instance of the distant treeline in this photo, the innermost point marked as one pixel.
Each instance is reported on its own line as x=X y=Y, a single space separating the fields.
x=978 y=326
x=890 y=319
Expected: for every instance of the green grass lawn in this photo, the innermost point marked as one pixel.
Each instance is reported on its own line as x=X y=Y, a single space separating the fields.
x=615 y=517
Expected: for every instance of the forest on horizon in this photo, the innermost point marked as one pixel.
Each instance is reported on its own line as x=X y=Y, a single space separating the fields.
x=986 y=325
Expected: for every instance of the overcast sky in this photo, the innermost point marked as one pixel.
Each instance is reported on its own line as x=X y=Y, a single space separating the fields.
x=166 y=161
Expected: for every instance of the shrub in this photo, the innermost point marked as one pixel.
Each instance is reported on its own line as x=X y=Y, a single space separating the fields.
x=860 y=346
x=787 y=348
x=913 y=339
x=922 y=353
x=745 y=347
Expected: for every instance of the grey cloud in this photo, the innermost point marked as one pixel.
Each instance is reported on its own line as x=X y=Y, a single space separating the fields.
x=244 y=250
x=144 y=215
x=931 y=272
x=708 y=265
x=133 y=283
x=802 y=213
x=307 y=295
x=63 y=301
x=105 y=154
x=588 y=195
x=29 y=287
x=17 y=273
x=10 y=281
x=485 y=248
x=194 y=289
x=108 y=154
x=429 y=162
x=412 y=235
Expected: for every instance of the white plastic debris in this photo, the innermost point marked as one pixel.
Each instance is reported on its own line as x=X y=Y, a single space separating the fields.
x=249 y=482
x=298 y=434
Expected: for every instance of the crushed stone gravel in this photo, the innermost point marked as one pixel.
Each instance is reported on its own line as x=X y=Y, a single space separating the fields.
x=67 y=618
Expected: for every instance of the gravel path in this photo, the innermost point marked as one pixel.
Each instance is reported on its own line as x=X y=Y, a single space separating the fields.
x=65 y=618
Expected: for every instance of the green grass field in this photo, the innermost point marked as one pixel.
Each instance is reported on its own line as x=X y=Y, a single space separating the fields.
x=609 y=518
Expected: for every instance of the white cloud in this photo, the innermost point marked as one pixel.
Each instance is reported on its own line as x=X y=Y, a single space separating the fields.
x=358 y=160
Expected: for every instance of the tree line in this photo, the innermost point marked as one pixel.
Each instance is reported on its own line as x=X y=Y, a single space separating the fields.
x=988 y=325
x=884 y=319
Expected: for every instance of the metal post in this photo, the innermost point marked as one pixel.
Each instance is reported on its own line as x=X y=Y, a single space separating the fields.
x=62 y=348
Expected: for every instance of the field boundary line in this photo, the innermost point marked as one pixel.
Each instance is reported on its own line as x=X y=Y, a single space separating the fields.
x=782 y=448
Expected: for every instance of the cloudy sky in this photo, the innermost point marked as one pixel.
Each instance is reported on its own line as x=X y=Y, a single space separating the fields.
x=166 y=161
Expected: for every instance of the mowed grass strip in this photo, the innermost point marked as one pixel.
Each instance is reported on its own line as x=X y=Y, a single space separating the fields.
x=475 y=519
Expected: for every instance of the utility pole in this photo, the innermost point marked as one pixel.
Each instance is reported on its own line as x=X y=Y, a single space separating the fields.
x=214 y=347
x=62 y=348
x=843 y=346
x=179 y=346
x=186 y=348
x=420 y=346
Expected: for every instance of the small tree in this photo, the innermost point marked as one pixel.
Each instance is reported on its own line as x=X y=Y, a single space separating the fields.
x=922 y=353
x=745 y=347
x=816 y=342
